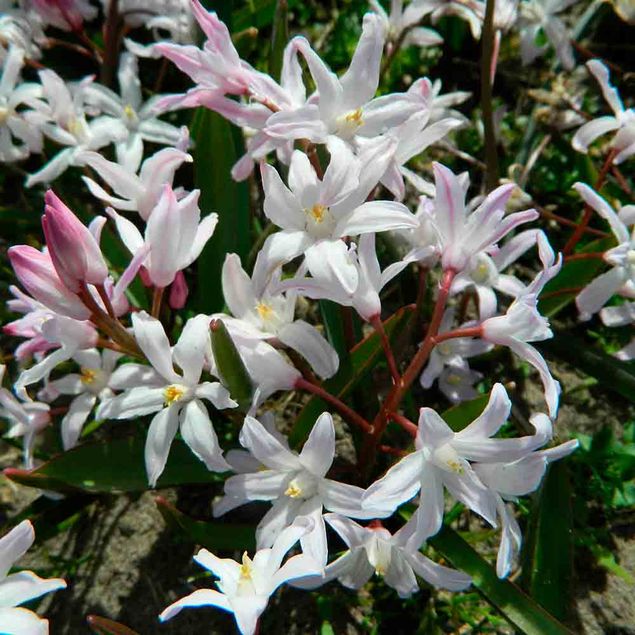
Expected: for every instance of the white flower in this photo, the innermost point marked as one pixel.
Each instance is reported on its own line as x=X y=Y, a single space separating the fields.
x=621 y=278
x=295 y=484
x=139 y=119
x=25 y=419
x=462 y=235
x=88 y=386
x=267 y=314
x=621 y=316
x=403 y=21
x=316 y=213
x=245 y=587
x=540 y=16
x=442 y=460
x=177 y=398
x=623 y=121
x=484 y=273
x=522 y=323
x=22 y=586
x=14 y=123
x=510 y=480
x=327 y=280
x=447 y=363
x=174 y=235
x=20 y=30
x=391 y=556
x=63 y=119
x=345 y=106
x=134 y=193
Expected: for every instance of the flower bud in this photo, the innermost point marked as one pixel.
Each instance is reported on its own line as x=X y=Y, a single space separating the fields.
x=37 y=274
x=178 y=291
x=75 y=253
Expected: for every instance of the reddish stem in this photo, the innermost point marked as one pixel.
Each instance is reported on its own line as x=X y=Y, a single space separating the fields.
x=469 y=331
x=157 y=298
x=593 y=255
x=387 y=449
x=349 y=414
x=588 y=210
x=378 y=325
x=404 y=422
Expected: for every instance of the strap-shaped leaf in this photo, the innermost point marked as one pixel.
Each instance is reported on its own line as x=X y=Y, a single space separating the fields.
x=517 y=607
x=212 y=535
x=113 y=466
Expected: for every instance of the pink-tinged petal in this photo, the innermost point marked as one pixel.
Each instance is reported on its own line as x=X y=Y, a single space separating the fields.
x=118 y=178
x=602 y=74
x=592 y=130
x=421 y=36
x=300 y=123
x=309 y=342
x=360 y=81
x=128 y=232
x=204 y=232
x=75 y=418
x=281 y=206
x=598 y=292
x=376 y=216
x=303 y=180
x=330 y=262
x=437 y=575
x=594 y=200
x=398 y=485
x=14 y=545
x=153 y=341
x=488 y=423
x=19 y=621
x=319 y=449
x=265 y=447
x=449 y=203
x=199 y=434
x=201 y=597
x=178 y=292
x=161 y=433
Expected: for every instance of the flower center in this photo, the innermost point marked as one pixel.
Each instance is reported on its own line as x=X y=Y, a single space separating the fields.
x=447 y=459
x=4 y=114
x=88 y=376
x=445 y=349
x=129 y=112
x=348 y=124
x=481 y=272
x=630 y=257
x=454 y=379
x=318 y=213
x=355 y=118
x=265 y=311
x=173 y=393
x=246 y=567
x=293 y=491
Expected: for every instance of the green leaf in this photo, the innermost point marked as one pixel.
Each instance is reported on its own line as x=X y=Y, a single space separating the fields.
x=230 y=365
x=517 y=607
x=212 y=535
x=548 y=549
x=279 y=37
x=363 y=358
x=218 y=145
x=258 y=13
x=612 y=373
x=332 y=317
x=574 y=274
x=459 y=416
x=113 y=466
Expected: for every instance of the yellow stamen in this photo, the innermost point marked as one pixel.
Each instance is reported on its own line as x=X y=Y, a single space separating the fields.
x=354 y=117
x=74 y=126
x=455 y=466
x=453 y=380
x=128 y=110
x=173 y=393
x=265 y=312
x=88 y=376
x=318 y=212
x=246 y=567
x=293 y=491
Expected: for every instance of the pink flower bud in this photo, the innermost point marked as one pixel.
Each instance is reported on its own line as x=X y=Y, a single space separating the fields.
x=37 y=274
x=178 y=291
x=75 y=253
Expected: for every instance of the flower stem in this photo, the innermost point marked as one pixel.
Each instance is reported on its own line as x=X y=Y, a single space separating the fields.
x=157 y=298
x=404 y=422
x=378 y=325
x=349 y=414
x=588 y=210
x=487 y=58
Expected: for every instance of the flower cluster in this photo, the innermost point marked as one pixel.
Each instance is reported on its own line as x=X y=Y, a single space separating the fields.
x=334 y=162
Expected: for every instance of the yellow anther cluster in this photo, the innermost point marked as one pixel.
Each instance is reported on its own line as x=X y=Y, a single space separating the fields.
x=264 y=310
x=293 y=491
x=355 y=117
x=318 y=212
x=172 y=394
x=88 y=376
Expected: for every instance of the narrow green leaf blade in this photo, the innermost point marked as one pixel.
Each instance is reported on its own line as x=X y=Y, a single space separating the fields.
x=216 y=535
x=517 y=607
x=113 y=466
x=279 y=37
x=218 y=145
x=548 y=552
